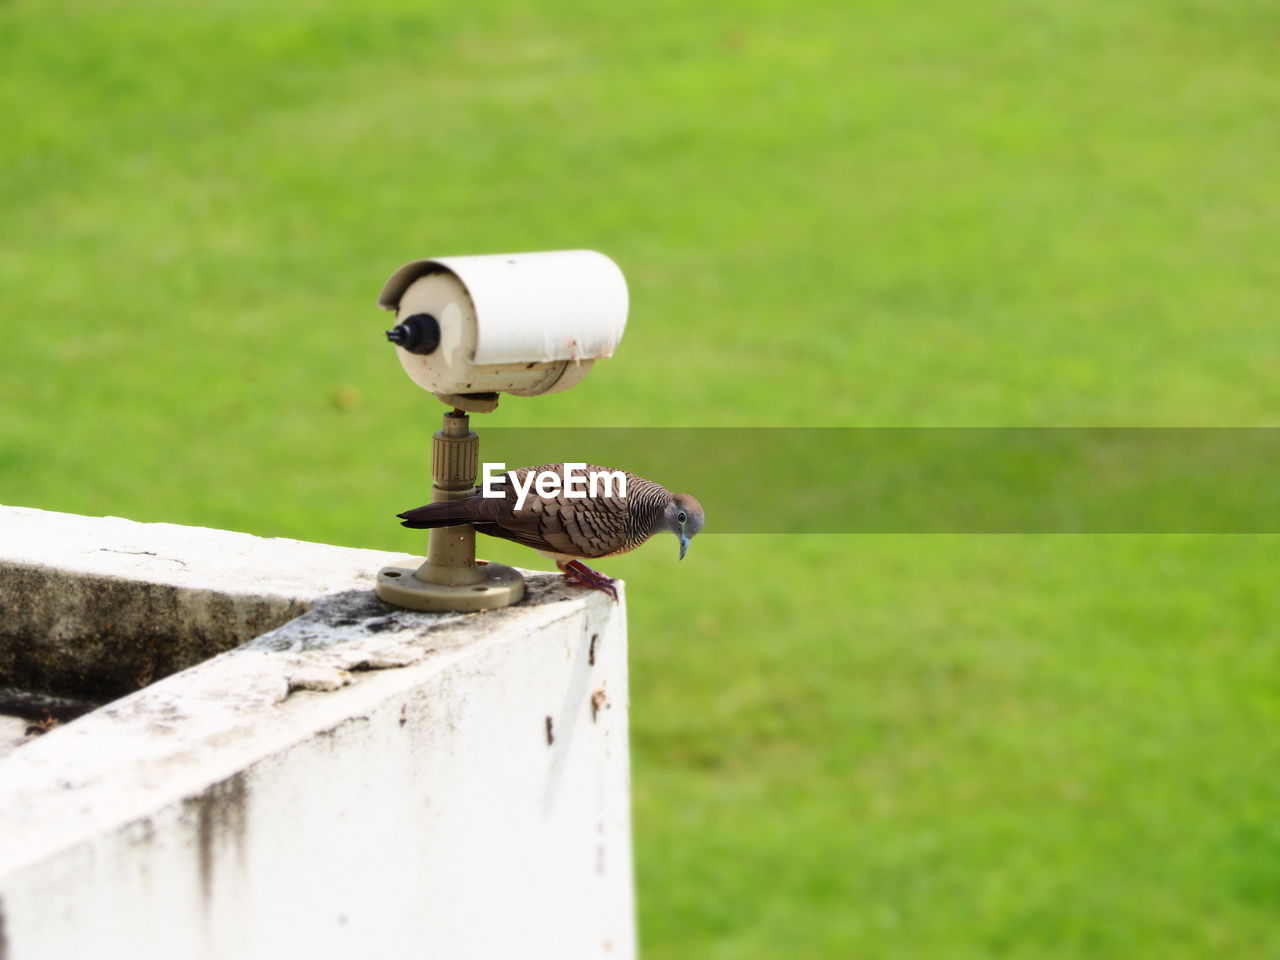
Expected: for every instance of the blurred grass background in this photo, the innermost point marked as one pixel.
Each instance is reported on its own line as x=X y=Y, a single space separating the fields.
x=841 y=214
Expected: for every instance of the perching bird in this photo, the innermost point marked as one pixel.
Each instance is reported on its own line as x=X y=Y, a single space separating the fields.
x=570 y=529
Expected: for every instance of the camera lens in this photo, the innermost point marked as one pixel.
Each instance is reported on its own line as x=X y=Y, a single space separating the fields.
x=417 y=334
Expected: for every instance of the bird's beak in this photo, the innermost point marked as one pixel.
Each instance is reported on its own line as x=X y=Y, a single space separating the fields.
x=684 y=545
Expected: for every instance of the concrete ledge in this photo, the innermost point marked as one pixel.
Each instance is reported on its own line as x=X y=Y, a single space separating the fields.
x=96 y=607
x=359 y=780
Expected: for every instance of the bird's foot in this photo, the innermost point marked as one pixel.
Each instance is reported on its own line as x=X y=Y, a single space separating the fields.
x=575 y=571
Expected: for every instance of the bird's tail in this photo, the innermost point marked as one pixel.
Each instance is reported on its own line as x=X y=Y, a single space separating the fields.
x=447 y=513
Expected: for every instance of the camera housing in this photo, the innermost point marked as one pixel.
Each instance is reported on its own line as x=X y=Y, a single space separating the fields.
x=468 y=328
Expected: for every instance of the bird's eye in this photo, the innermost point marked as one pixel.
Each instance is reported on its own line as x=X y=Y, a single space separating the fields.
x=681 y=517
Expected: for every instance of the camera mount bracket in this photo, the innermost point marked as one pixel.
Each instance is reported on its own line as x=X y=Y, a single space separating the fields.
x=451 y=578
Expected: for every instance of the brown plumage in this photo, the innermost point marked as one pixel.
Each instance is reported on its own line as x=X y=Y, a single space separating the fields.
x=569 y=529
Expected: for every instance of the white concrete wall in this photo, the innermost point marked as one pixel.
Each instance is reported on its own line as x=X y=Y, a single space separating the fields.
x=360 y=782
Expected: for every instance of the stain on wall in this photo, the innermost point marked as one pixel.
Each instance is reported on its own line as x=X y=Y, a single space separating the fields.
x=221 y=825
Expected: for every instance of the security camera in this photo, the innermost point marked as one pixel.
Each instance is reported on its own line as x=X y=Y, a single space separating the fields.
x=468 y=328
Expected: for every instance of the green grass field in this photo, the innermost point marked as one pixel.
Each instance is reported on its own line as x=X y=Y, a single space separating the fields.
x=852 y=213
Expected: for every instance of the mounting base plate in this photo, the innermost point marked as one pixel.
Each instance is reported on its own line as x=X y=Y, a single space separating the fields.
x=495 y=586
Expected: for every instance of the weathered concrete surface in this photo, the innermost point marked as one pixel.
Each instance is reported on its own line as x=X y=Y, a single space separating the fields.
x=98 y=607
x=13 y=734
x=361 y=781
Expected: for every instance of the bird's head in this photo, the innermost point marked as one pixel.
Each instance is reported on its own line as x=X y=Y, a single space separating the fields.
x=684 y=518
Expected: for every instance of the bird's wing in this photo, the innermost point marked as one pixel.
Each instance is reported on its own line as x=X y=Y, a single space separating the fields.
x=586 y=527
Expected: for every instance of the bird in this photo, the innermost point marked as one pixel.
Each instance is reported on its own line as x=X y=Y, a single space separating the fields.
x=570 y=529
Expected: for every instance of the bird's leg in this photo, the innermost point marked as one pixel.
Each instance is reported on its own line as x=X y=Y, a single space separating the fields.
x=578 y=572
x=571 y=573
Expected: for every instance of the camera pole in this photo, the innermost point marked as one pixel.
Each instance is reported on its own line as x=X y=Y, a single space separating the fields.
x=451 y=578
